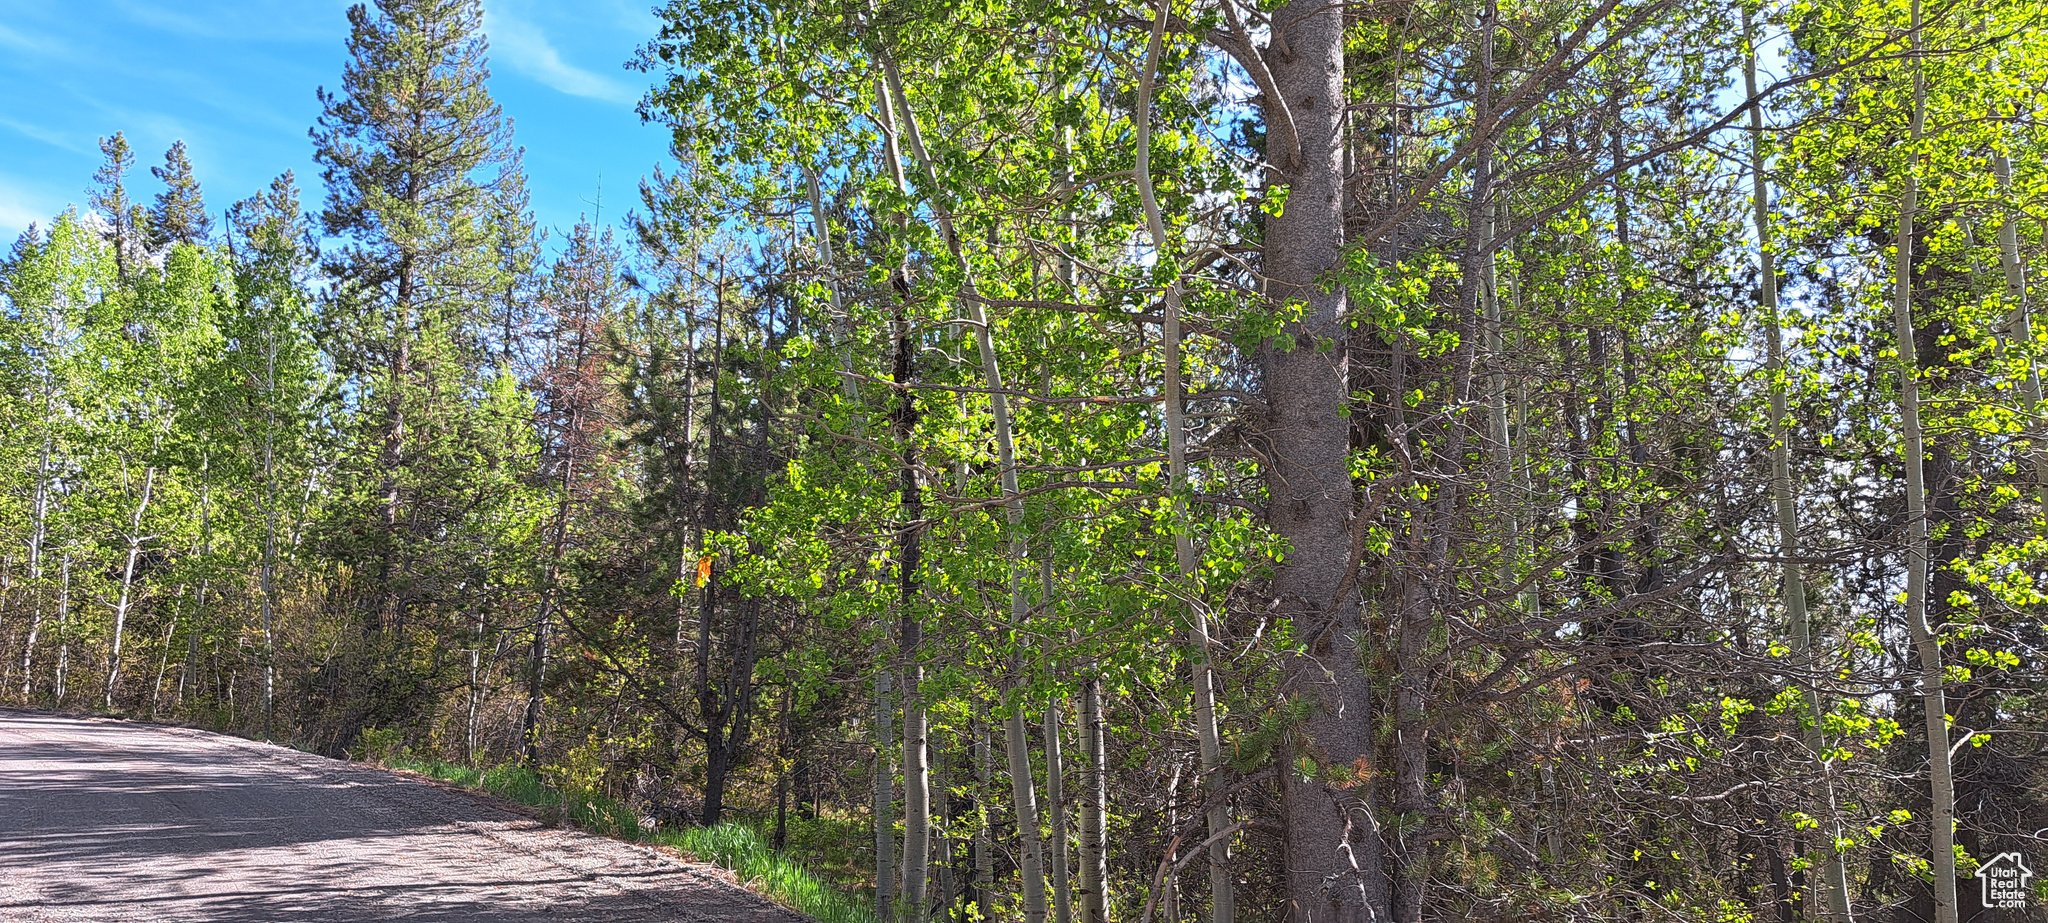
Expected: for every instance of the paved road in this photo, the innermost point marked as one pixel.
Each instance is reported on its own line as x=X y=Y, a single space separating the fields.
x=107 y=820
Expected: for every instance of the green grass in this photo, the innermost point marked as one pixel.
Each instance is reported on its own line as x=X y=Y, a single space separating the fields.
x=732 y=846
x=738 y=848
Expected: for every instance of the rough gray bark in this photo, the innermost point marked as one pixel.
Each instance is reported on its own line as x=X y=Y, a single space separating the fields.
x=1335 y=871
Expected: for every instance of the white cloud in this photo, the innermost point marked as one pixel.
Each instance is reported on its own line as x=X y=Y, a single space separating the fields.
x=527 y=49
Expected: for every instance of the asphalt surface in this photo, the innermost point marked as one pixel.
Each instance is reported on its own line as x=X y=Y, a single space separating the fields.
x=107 y=820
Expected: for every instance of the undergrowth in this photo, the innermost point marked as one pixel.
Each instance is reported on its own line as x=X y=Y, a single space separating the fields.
x=733 y=846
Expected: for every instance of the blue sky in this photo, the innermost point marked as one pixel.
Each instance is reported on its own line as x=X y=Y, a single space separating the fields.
x=235 y=80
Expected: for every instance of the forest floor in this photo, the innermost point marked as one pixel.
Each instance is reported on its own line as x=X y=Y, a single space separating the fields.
x=102 y=819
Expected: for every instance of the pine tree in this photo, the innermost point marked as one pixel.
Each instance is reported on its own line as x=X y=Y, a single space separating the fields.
x=584 y=294
x=179 y=215
x=124 y=219
x=419 y=167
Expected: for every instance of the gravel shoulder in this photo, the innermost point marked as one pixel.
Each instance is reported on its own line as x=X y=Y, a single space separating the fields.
x=107 y=820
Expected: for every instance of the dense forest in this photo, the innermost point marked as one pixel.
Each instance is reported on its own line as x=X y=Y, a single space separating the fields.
x=1388 y=460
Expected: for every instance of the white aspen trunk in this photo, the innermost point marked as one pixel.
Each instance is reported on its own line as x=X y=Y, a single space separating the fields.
x=1169 y=897
x=1094 y=806
x=2020 y=325
x=1222 y=901
x=267 y=576
x=915 y=866
x=1024 y=797
x=188 y=672
x=984 y=840
x=1060 y=860
x=127 y=597
x=163 y=665
x=842 y=322
x=943 y=806
x=476 y=695
x=917 y=816
x=38 y=533
x=1933 y=695
x=1056 y=811
x=199 y=605
x=63 y=625
x=1833 y=881
x=885 y=789
x=1022 y=786
x=267 y=584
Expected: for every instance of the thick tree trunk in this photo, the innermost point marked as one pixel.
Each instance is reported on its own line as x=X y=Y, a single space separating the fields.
x=887 y=887
x=537 y=672
x=1335 y=871
x=726 y=751
x=1024 y=799
x=916 y=782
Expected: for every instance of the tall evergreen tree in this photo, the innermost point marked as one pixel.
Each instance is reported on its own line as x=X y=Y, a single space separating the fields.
x=124 y=218
x=179 y=214
x=419 y=164
x=584 y=294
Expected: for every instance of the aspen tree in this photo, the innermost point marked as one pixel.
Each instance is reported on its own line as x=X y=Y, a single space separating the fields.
x=1912 y=456
x=1834 y=881
x=1222 y=906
